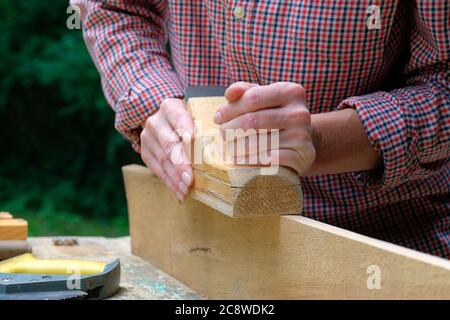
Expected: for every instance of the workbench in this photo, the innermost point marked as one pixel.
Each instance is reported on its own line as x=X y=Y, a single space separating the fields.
x=139 y=280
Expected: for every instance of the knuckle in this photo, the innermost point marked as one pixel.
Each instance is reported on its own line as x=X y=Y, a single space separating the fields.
x=168 y=147
x=301 y=115
x=162 y=157
x=179 y=129
x=295 y=90
x=241 y=83
x=252 y=97
x=151 y=123
x=185 y=121
x=147 y=122
x=163 y=105
x=189 y=117
x=250 y=121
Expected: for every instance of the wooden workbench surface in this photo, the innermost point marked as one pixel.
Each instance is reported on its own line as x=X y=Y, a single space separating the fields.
x=139 y=280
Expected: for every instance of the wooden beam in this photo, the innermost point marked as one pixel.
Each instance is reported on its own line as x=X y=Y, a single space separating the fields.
x=237 y=191
x=287 y=257
x=13 y=229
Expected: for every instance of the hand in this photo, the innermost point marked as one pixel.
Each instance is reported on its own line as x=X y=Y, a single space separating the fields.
x=162 y=149
x=279 y=106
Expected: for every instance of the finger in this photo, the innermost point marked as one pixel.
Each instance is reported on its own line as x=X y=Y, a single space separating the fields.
x=174 y=153
x=179 y=118
x=153 y=164
x=271 y=158
x=298 y=139
x=266 y=158
x=272 y=118
x=171 y=171
x=182 y=124
x=183 y=167
x=178 y=155
x=261 y=97
x=284 y=157
x=162 y=157
x=264 y=141
x=181 y=188
x=236 y=90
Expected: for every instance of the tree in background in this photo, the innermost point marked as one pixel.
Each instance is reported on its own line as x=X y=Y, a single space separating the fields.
x=60 y=155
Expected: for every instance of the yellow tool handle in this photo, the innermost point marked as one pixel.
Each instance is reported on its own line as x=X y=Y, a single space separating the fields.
x=27 y=263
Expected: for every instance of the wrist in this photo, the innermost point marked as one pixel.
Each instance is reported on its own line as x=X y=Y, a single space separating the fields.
x=317 y=140
x=341 y=144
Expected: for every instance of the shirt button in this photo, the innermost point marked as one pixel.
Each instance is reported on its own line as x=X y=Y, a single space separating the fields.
x=239 y=13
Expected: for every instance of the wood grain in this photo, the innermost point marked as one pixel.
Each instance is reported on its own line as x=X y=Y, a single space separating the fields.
x=13 y=229
x=287 y=257
x=237 y=191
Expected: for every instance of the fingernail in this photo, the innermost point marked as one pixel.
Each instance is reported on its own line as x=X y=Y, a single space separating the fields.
x=187 y=179
x=180 y=196
x=182 y=187
x=218 y=117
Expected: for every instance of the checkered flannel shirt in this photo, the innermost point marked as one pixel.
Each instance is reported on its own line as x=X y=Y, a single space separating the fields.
x=391 y=65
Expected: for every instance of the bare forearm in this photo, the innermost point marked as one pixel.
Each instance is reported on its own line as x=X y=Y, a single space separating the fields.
x=341 y=144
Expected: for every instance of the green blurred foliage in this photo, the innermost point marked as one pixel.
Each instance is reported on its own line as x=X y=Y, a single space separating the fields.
x=60 y=155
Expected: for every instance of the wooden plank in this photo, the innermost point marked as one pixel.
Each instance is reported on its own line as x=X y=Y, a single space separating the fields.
x=287 y=257
x=237 y=191
x=13 y=229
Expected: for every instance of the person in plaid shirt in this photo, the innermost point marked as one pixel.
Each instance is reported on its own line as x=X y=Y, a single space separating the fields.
x=359 y=89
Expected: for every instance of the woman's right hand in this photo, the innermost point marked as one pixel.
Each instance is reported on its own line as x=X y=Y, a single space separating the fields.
x=162 y=145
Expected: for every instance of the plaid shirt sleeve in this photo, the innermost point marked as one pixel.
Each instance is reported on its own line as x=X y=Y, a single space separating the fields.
x=410 y=126
x=126 y=39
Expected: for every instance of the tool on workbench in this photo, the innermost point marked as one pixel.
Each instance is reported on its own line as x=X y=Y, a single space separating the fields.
x=27 y=278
